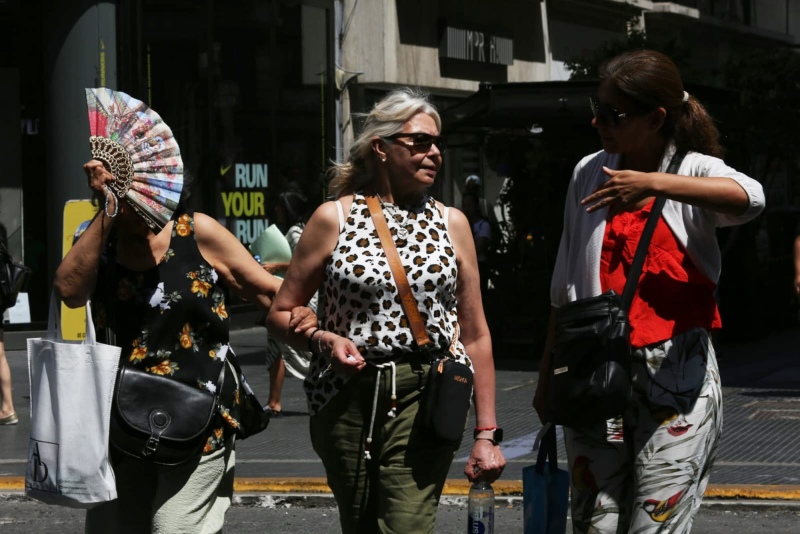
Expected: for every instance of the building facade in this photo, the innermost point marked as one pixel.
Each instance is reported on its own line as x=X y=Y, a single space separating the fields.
x=262 y=94
x=245 y=85
x=450 y=47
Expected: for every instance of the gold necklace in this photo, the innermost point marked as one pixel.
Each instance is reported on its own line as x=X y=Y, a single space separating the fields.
x=401 y=231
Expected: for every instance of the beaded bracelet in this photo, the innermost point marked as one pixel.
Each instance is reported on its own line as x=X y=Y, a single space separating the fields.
x=116 y=203
x=311 y=340
x=319 y=341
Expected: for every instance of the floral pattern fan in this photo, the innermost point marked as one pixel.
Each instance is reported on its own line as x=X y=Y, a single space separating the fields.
x=138 y=148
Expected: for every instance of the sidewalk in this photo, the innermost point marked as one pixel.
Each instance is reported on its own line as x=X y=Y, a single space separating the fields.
x=759 y=457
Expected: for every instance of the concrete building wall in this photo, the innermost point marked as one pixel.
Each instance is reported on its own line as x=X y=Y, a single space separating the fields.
x=396 y=42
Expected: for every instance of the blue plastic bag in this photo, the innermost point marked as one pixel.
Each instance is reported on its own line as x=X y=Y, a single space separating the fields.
x=545 y=489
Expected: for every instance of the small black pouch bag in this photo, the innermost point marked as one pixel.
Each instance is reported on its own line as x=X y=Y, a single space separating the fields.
x=447 y=397
x=160 y=419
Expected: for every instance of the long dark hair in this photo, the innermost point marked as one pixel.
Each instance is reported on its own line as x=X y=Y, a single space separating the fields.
x=650 y=79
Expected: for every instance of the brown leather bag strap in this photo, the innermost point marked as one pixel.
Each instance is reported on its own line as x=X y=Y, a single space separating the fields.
x=398 y=272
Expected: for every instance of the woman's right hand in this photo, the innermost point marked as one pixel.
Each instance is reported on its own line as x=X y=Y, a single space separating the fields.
x=274 y=268
x=342 y=352
x=98 y=175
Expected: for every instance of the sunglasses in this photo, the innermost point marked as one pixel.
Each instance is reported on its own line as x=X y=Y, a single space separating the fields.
x=605 y=114
x=420 y=142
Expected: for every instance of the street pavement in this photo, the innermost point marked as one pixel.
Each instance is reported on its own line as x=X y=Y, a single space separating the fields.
x=27 y=517
x=759 y=457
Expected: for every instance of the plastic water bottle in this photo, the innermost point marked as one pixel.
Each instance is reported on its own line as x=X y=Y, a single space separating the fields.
x=481 y=508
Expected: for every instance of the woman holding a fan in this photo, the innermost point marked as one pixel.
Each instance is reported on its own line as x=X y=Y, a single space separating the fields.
x=159 y=293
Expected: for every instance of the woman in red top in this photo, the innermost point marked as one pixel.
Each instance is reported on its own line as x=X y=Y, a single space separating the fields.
x=646 y=470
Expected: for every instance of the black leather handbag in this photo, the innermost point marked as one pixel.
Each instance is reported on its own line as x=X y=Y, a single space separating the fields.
x=590 y=375
x=252 y=416
x=159 y=419
x=590 y=364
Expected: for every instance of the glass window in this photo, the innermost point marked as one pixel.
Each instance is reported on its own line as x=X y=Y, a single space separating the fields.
x=243 y=85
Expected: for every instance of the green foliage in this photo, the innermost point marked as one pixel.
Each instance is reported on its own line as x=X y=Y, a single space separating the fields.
x=761 y=125
x=585 y=67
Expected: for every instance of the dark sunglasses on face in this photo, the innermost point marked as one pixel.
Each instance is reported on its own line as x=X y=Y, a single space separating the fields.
x=605 y=114
x=420 y=142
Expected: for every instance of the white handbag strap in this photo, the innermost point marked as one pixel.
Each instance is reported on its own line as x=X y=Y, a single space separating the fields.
x=54 y=322
x=91 y=336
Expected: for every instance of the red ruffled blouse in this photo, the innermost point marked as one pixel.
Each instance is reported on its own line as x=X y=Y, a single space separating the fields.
x=673 y=296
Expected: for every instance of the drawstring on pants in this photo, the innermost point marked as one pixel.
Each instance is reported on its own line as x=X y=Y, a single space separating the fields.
x=392 y=411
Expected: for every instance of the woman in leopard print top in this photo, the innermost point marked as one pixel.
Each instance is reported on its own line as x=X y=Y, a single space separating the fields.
x=385 y=470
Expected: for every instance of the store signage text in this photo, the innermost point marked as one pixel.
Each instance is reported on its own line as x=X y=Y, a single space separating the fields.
x=30 y=126
x=470 y=45
x=245 y=206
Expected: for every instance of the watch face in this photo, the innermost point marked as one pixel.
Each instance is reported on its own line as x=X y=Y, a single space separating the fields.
x=497 y=434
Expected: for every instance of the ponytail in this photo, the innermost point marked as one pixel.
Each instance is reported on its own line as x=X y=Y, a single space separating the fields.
x=694 y=130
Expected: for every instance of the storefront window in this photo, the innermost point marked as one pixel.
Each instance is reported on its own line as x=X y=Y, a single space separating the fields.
x=244 y=87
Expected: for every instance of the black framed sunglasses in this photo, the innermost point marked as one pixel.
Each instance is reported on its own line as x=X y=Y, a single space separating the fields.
x=605 y=114
x=420 y=142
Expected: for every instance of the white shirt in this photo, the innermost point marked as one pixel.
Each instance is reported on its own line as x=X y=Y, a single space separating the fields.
x=577 y=269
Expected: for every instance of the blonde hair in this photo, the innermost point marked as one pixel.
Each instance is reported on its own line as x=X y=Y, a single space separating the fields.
x=386 y=118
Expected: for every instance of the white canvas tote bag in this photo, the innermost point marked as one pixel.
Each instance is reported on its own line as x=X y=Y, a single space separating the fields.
x=72 y=384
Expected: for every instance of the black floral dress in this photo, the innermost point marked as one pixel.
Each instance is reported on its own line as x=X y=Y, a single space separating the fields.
x=171 y=320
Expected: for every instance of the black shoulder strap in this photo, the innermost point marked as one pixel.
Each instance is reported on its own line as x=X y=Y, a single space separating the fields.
x=644 y=240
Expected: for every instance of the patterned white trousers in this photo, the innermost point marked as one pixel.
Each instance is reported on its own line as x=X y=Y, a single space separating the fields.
x=646 y=471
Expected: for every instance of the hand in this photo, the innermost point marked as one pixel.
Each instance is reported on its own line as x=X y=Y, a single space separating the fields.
x=274 y=268
x=486 y=462
x=98 y=176
x=302 y=318
x=344 y=354
x=621 y=192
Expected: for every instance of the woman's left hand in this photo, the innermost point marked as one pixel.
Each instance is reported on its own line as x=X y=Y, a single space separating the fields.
x=620 y=192
x=486 y=462
x=301 y=319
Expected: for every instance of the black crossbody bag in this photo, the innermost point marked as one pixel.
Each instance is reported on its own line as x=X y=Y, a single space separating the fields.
x=13 y=279
x=445 y=403
x=590 y=376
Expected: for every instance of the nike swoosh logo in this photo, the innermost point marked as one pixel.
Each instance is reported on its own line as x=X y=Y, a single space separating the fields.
x=224 y=170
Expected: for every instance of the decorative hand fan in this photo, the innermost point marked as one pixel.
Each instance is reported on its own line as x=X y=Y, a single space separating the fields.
x=138 y=148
